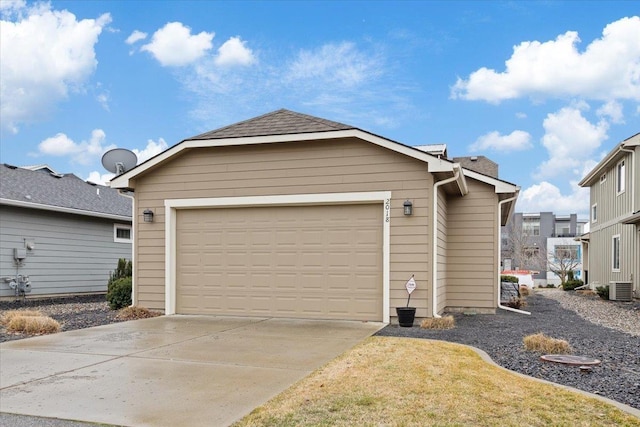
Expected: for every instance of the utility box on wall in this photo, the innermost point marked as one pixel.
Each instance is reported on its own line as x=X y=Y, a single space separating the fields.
x=19 y=254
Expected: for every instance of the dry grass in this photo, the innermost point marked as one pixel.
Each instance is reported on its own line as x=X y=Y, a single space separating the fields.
x=524 y=291
x=445 y=322
x=543 y=344
x=135 y=312
x=7 y=316
x=33 y=325
x=387 y=381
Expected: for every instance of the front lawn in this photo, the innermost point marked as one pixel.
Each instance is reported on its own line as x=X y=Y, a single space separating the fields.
x=387 y=381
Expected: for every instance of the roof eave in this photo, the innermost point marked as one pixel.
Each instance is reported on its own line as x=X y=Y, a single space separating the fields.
x=435 y=164
x=611 y=157
x=40 y=206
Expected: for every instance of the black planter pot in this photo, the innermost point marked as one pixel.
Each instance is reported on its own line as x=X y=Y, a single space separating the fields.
x=406 y=316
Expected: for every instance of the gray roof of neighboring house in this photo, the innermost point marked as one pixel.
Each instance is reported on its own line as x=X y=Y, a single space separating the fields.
x=479 y=164
x=280 y=122
x=60 y=190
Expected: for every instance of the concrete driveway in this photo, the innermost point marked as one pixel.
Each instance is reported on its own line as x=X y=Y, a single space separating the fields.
x=167 y=371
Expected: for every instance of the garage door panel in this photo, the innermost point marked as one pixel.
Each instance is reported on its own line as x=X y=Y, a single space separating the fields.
x=306 y=262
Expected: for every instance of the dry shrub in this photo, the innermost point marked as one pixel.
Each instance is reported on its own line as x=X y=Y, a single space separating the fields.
x=543 y=344
x=135 y=312
x=524 y=291
x=33 y=325
x=446 y=322
x=6 y=317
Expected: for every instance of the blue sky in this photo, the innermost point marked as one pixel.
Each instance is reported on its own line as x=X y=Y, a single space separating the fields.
x=543 y=88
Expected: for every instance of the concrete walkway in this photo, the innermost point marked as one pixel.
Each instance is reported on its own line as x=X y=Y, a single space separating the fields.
x=167 y=371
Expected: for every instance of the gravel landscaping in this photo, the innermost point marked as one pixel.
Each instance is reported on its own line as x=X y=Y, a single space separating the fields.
x=555 y=313
x=604 y=330
x=76 y=312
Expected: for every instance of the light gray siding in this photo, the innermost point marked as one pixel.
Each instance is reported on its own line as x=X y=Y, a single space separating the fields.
x=612 y=207
x=72 y=254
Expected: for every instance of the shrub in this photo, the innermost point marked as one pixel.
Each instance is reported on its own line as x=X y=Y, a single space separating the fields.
x=570 y=285
x=603 y=292
x=570 y=275
x=516 y=303
x=123 y=269
x=543 y=344
x=524 y=291
x=512 y=279
x=551 y=285
x=119 y=293
x=33 y=325
x=135 y=312
x=6 y=317
x=445 y=322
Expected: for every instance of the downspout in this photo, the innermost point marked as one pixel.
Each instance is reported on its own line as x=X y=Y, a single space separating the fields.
x=134 y=296
x=633 y=177
x=515 y=310
x=434 y=249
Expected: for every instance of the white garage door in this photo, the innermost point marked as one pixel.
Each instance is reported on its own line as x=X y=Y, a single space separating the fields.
x=315 y=262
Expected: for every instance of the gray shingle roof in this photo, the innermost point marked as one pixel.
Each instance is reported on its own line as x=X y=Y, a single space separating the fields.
x=66 y=191
x=280 y=122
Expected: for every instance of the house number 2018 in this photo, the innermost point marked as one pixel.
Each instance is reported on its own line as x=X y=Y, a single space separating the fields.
x=387 y=210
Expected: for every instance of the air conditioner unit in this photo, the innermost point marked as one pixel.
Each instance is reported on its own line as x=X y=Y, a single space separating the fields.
x=620 y=291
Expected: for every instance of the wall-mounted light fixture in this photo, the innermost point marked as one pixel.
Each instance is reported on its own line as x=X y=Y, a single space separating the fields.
x=408 y=207
x=147 y=215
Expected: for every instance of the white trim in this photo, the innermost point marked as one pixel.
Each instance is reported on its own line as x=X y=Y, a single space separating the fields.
x=613 y=253
x=500 y=186
x=594 y=212
x=435 y=164
x=40 y=206
x=621 y=177
x=117 y=239
x=173 y=205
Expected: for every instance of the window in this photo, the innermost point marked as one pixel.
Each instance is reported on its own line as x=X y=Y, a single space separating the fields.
x=620 y=176
x=615 y=253
x=594 y=213
x=603 y=178
x=563 y=229
x=121 y=233
x=532 y=252
x=579 y=229
x=531 y=226
x=567 y=252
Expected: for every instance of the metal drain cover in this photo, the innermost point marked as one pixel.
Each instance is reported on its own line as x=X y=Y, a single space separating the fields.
x=570 y=360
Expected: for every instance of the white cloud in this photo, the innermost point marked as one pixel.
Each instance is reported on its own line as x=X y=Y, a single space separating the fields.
x=607 y=69
x=337 y=64
x=135 y=36
x=570 y=140
x=546 y=197
x=44 y=54
x=173 y=45
x=612 y=110
x=103 y=100
x=153 y=148
x=521 y=115
x=84 y=152
x=234 y=52
x=516 y=141
x=99 y=178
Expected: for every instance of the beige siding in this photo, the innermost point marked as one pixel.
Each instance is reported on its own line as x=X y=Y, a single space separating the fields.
x=284 y=169
x=472 y=251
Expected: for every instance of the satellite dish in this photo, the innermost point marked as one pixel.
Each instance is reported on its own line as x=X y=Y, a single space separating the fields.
x=119 y=160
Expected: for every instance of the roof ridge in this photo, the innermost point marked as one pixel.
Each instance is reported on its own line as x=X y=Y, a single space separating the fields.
x=278 y=122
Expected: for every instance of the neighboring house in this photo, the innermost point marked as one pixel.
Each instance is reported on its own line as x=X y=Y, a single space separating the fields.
x=531 y=240
x=289 y=215
x=613 y=242
x=64 y=233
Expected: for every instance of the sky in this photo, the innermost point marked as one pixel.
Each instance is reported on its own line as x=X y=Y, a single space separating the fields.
x=543 y=88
